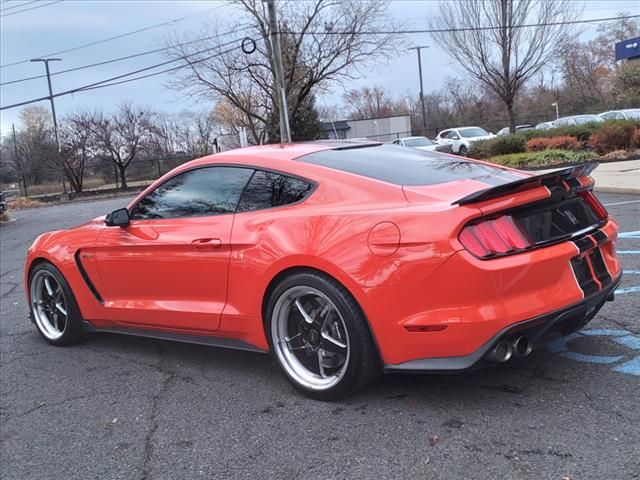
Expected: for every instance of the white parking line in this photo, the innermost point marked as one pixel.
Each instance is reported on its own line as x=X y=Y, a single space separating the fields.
x=621 y=203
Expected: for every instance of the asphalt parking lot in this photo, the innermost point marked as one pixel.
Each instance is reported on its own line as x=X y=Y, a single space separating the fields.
x=117 y=407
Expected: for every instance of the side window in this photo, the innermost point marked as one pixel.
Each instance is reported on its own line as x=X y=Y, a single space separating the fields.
x=199 y=192
x=452 y=135
x=268 y=189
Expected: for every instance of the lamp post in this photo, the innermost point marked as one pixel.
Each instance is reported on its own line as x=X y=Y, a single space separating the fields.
x=424 y=115
x=53 y=107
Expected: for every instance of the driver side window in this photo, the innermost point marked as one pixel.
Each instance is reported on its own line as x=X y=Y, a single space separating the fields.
x=452 y=135
x=195 y=193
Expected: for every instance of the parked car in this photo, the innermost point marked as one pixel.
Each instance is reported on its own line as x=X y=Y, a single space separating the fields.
x=544 y=126
x=576 y=120
x=519 y=128
x=342 y=259
x=461 y=138
x=422 y=143
x=628 y=114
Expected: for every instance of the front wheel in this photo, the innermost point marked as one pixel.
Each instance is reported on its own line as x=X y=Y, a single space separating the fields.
x=463 y=150
x=319 y=337
x=53 y=306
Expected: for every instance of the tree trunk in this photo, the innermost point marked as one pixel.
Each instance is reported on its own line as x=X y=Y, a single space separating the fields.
x=123 y=178
x=510 y=117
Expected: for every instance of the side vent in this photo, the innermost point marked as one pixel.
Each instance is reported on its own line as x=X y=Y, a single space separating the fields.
x=87 y=280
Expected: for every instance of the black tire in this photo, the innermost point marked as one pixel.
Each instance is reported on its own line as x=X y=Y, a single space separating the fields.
x=463 y=151
x=363 y=366
x=72 y=331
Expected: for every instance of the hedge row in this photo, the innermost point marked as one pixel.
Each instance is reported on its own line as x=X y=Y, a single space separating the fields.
x=601 y=137
x=544 y=158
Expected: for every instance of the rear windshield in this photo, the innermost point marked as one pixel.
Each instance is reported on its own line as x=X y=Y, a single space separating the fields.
x=407 y=166
x=473 y=132
x=417 y=142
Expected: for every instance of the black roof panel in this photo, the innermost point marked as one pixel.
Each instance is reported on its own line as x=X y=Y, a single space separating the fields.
x=405 y=165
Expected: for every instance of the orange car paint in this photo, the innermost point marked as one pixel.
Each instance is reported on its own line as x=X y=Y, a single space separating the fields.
x=395 y=249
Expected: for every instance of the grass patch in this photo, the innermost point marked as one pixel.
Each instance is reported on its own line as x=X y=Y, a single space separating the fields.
x=545 y=158
x=23 y=202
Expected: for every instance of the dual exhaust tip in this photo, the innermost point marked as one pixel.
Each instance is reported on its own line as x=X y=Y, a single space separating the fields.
x=505 y=349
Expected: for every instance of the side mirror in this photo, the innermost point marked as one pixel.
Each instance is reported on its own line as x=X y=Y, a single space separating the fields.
x=118 y=218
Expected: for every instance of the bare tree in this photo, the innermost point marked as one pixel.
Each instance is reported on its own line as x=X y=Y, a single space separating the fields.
x=122 y=136
x=373 y=102
x=498 y=51
x=323 y=43
x=76 y=150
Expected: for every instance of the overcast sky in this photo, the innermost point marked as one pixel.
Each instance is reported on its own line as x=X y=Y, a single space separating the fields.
x=61 y=25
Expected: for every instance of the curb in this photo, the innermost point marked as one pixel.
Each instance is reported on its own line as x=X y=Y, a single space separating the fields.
x=635 y=191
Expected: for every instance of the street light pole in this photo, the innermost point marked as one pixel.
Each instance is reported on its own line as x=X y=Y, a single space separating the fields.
x=555 y=104
x=424 y=115
x=285 y=132
x=53 y=107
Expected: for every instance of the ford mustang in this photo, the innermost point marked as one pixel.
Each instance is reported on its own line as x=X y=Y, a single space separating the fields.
x=343 y=260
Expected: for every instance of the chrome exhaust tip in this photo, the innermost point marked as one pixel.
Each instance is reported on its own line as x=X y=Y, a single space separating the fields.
x=501 y=352
x=522 y=346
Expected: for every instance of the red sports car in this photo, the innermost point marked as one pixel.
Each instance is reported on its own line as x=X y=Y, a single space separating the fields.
x=341 y=259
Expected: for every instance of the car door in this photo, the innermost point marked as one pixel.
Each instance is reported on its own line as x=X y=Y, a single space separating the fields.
x=453 y=139
x=168 y=268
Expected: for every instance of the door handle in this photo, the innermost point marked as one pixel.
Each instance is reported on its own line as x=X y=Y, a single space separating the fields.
x=206 y=243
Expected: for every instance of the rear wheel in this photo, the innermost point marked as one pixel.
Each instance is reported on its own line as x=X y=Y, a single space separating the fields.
x=53 y=306
x=463 y=150
x=319 y=337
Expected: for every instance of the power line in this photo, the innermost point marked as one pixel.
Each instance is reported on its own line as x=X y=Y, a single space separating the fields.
x=4 y=9
x=128 y=57
x=30 y=8
x=112 y=81
x=463 y=29
x=116 y=37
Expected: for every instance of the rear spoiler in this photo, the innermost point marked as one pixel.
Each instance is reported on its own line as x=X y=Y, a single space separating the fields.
x=567 y=177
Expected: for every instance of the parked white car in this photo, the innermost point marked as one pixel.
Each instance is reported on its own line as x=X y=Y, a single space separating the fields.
x=462 y=138
x=628 y=114
x=422 y=143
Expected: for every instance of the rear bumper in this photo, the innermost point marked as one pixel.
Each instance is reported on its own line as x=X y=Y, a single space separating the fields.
x=562 y=321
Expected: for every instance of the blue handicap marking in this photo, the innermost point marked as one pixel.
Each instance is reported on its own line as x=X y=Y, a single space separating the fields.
x=635 y=234
x=632 y=367
x=629 y=341
x=562 y=347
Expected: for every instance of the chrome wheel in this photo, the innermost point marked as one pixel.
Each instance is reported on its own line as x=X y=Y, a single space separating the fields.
x=48 y=305
x=310 y=338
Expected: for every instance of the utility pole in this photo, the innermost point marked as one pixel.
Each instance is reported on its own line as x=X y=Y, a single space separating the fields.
x=18 y=162
x=53 y=107
x=285 y=132
x=424 y=114
x=555 y=104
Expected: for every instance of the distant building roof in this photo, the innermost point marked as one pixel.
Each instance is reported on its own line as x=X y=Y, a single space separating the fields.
x=337 y=125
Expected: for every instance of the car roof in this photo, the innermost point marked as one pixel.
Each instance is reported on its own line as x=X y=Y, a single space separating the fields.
x=412 y=138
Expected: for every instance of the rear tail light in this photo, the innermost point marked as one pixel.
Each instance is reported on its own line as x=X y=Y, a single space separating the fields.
x=595 y=204
x=493 y=237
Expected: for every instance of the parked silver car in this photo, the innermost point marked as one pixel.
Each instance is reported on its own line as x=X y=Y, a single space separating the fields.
x=519 y=128
x=627 y=114
x=576 y=120
x=422 y=143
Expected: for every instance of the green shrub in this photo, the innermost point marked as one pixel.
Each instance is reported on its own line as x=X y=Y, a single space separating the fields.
x=613 y=136
x=581 y=132
x=497 y=146
x=480 y=150
x=544 y=158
